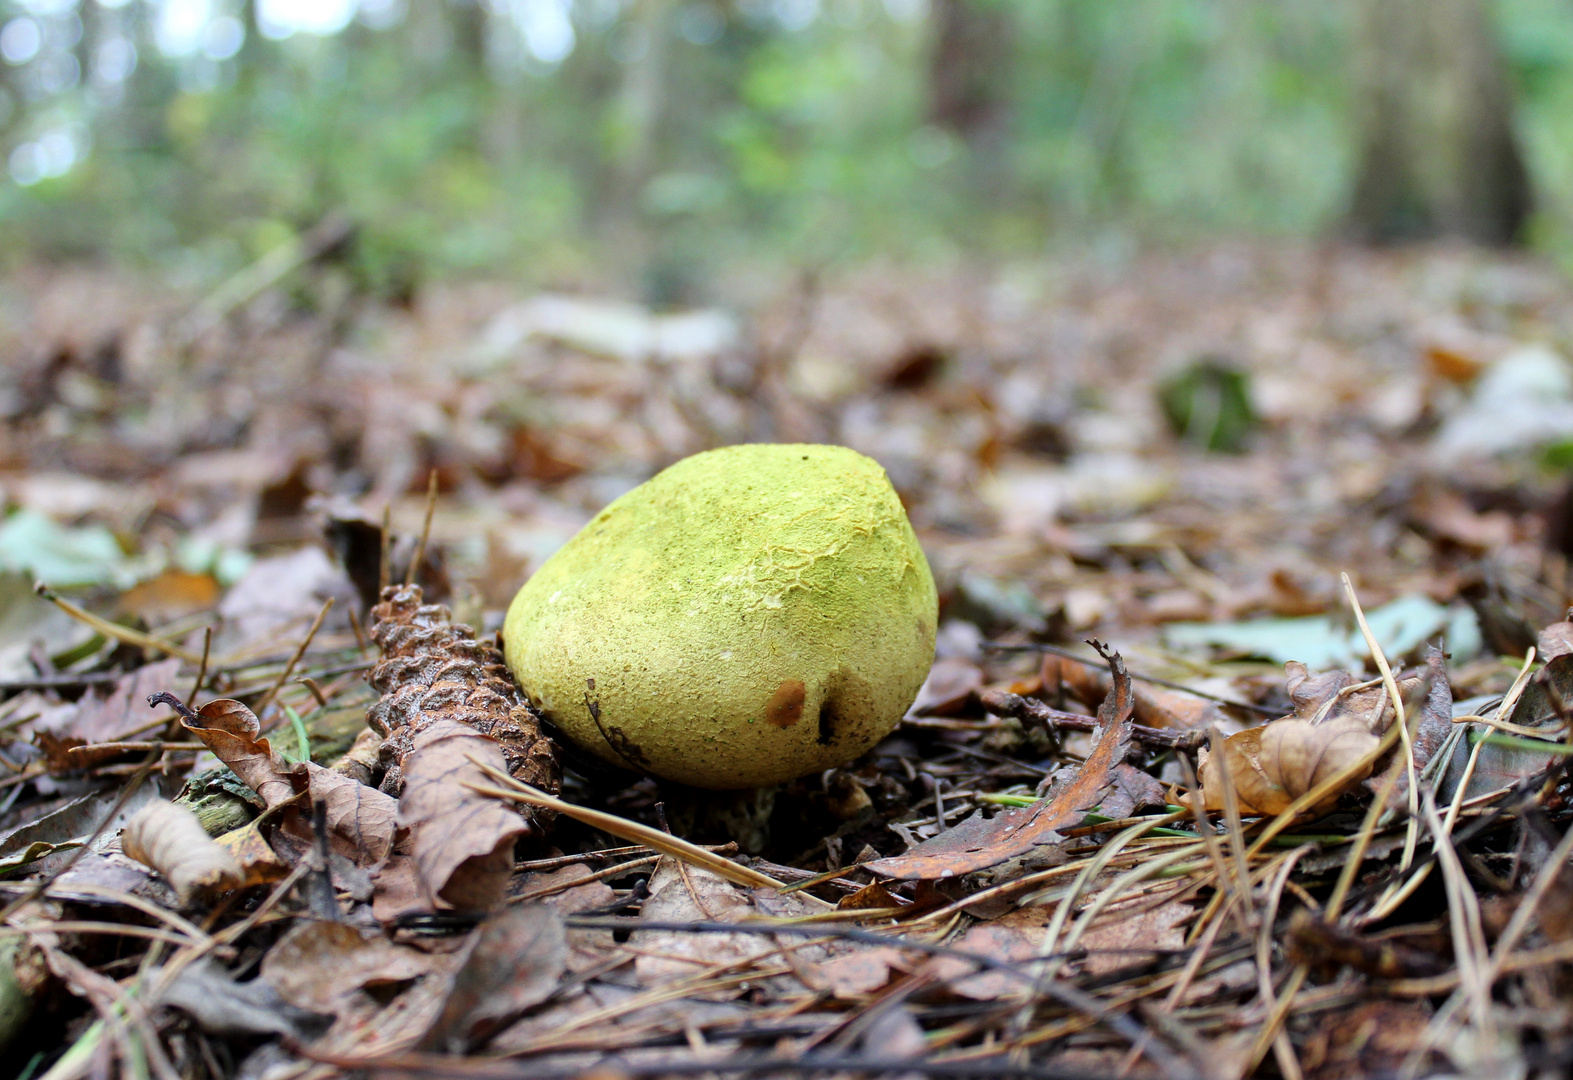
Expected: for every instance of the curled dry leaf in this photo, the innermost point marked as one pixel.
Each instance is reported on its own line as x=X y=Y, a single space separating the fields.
x=171 y=840
x=979 y=843
x=1333 y=695
x=1276 y=763
x=460 y=840
x=1335 y=721
x=234 y=734
x=361 y=820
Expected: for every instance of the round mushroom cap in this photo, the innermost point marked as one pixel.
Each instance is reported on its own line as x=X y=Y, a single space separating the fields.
x=748 y=615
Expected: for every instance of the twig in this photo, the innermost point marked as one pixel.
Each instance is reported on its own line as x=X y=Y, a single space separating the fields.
x=289 y=668
x=1005 y=703
x=64 y=680
x=202 y=668
x=633 y=831
x=385 y=563
x=420 y=548
x=114 y=630
x=1003 y=646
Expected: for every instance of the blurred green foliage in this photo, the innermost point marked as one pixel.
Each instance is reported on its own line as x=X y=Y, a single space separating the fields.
x=674 y=139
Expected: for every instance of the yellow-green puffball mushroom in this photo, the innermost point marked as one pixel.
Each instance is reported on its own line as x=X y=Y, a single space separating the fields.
x=747 y=616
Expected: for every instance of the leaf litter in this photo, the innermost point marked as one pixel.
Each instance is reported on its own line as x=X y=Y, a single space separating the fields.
x=1227 y=844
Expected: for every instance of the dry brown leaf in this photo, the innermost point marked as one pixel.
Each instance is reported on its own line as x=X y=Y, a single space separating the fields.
x=512 y=961
x=874 y=895
x=232 y=732
x=461 y=841
x=949 y=687
x=1327 y=697
x=857 y=974
x=1122 y=934
x=361 y=820
x=171 y=840
x=1554 y=641
x=979 y=843
x=1434 y=724
x=1014 y=936
x=101 y=717
x=1131 y=789
x=326 y=967
x=680 y=893
x=1276 y=763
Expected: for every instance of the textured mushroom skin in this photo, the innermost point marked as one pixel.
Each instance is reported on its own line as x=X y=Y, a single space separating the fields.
x=747 y=616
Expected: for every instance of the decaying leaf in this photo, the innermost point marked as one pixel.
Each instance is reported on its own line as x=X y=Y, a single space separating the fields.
x=259 y=864
x=329 y=967
x=1125 y=931
x=171 y=840
x=979 y=843
x=433 y=670
x=687 y=893
x=461 y=841
x=221 y=1005
x=1554 y=641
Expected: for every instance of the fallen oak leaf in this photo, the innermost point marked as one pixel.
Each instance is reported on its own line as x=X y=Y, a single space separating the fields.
x=513 y=960
x=171 y=840
x=978 y=843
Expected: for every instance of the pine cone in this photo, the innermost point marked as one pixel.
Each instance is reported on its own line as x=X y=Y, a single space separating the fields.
x=433 y=669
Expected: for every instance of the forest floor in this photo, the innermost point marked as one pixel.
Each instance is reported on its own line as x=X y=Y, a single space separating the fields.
x=1302 y=811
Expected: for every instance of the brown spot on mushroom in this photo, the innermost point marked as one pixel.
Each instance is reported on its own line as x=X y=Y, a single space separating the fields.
x=786 y=705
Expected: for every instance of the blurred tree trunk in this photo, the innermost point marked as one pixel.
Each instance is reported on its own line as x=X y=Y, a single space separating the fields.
x=1438 y=154
x=969 y=68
